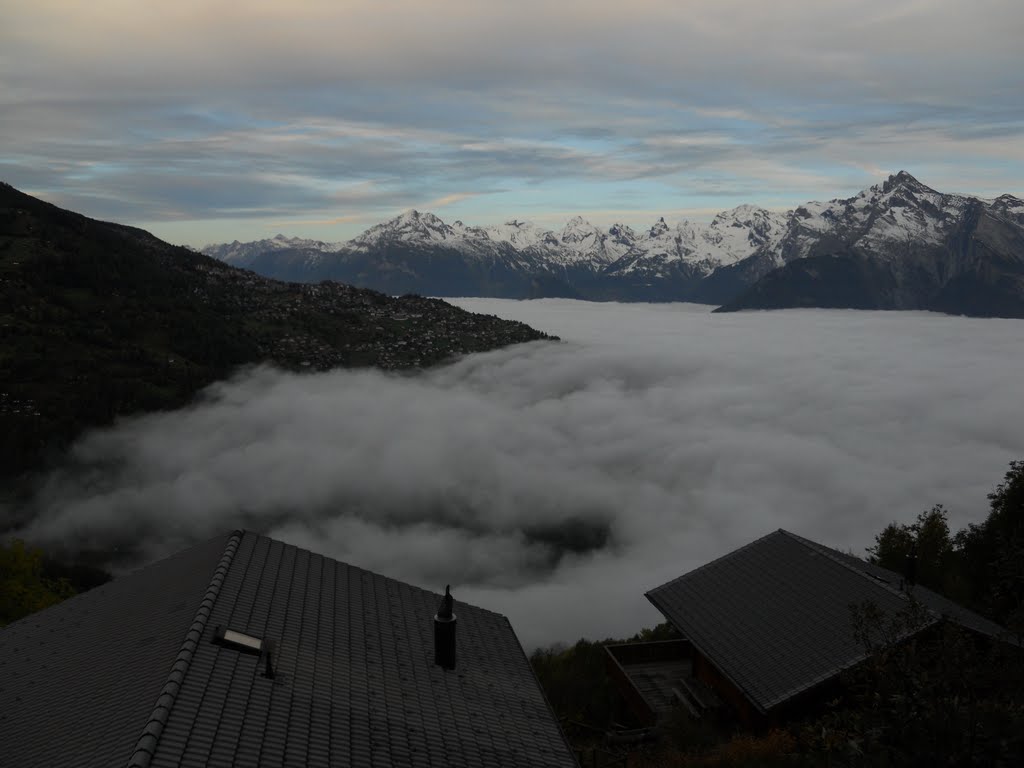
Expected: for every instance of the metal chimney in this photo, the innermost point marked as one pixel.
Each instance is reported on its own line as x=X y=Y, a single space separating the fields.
x=444 y=632
x=910 y=567
x=911 y=570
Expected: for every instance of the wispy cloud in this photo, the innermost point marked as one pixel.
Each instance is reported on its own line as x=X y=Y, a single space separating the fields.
x=445 y=200
x=319 y=222
x=109 y=106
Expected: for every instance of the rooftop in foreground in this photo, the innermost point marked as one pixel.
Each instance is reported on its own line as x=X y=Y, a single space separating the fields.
x=773 y=617
x=134 y=673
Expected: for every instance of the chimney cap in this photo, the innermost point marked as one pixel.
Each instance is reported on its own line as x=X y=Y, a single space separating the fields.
x=444 y=632
x=446 y=610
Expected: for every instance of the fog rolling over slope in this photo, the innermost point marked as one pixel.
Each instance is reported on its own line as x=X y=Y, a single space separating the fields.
x=556 y=483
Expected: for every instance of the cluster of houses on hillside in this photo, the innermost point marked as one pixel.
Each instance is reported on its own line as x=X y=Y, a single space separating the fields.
x=366 y=327
x=13 y=406
x=244 y=651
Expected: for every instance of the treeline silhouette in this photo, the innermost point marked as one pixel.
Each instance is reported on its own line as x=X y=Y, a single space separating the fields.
x=949 y=697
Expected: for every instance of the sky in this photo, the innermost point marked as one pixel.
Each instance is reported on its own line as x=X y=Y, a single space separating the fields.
x=556 y=482
x=213 y=120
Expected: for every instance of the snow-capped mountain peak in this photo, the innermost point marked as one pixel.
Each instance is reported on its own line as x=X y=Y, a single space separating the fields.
x=741 y=215
x=421 y=223
x=900 y=189
x=521 y=234
x=887 y=218
x=582 y=242
x=1009 y=201
x=1009 y=207
x=904 y=180
x=659 y=229
x=236 y=251
x=731 y=237
x=907 y=231
x=579 y=231
x=622 y=234
x=409 y=226
x=413 y=217
x=744 y=229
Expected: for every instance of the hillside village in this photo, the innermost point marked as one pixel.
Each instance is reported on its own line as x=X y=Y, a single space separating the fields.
x=100 y=321
x=354 y=327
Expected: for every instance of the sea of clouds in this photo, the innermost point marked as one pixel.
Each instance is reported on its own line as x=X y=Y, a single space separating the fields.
x=556 y=482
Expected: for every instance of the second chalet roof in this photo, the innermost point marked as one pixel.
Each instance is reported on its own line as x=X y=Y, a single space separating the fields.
x=128 y=674
x=774 y=616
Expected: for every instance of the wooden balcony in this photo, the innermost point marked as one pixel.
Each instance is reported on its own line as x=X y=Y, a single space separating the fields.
x=654 y=677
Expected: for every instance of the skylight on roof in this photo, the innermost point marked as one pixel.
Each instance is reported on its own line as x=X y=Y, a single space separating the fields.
x=238 y=640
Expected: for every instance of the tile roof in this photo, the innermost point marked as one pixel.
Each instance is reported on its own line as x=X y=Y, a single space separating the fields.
x=941 y=606
x=355 y=682
x=79 y=681
x=773 y=616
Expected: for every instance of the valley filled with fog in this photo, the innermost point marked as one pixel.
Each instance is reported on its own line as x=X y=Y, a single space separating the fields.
x=555 y=482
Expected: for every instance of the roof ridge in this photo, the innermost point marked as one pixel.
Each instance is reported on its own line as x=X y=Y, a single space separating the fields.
x=375 y=574
x=932 y=601
x=726 y=556
x=533 y=673
x=831 y=554
x=145 y=747
x=742 y=686
x=759 y=700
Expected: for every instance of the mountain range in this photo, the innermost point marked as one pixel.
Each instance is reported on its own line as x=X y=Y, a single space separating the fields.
x=100 y=320
x=896 y=245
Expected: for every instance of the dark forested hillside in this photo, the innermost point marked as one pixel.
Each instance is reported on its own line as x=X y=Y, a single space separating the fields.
x=99 y=320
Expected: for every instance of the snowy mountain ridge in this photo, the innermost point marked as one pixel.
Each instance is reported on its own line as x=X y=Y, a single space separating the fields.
x=237 y=251
x=906 y=230
x=730 y=237
x=897 y=210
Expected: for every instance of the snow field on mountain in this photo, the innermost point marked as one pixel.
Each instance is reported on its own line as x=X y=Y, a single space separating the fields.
x=888 y=221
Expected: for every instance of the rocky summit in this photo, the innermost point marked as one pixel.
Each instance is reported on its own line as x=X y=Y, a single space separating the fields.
x=896 y=245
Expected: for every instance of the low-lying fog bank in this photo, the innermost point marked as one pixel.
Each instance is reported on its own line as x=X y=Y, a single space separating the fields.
x=556 y=482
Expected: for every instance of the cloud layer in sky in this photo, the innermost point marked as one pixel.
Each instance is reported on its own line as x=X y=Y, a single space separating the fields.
x=557 y=482
x=214 y=120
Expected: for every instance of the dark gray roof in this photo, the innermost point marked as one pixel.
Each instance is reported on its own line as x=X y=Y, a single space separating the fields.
x=774 y=616
x=356 y=683
x=936 y=603
x=79 y=681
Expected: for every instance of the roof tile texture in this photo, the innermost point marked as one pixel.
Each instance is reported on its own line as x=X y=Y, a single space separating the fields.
x=932 y=600
x=355 y=682
x=773 y=616
x=103 y=679
x=92 y=667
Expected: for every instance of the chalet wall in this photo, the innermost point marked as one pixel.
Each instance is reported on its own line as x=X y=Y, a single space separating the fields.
x=709 y=674
x=634 y=701
x=636 y=653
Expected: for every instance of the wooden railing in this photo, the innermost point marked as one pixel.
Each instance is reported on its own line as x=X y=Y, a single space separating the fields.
x=621 y=655
x=656 y=650
x=599 y=758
